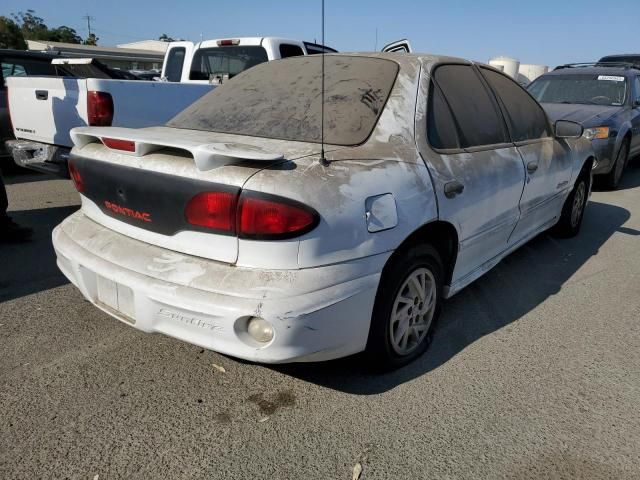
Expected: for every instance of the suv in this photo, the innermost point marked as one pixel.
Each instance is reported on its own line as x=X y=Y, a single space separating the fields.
x=18 y=63
x=605 y=98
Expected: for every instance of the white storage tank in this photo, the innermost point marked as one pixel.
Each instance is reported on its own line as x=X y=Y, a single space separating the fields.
x=507 y=65
x=528 y=72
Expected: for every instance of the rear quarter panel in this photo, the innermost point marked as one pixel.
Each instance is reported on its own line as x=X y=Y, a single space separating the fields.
x=338 y=193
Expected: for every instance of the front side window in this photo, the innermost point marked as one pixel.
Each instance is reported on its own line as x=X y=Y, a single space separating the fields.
x=283 y=100
x=474 y=111
x=583 y=88
x=175 y=63
x=225 y=61
x=525 y=117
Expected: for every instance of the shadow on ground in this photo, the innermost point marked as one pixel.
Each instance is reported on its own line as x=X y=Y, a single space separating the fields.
x=489 y=304
x=30 y=267
x=15 y=175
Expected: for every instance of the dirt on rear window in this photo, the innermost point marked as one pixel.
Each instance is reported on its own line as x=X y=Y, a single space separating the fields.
x=282 y=100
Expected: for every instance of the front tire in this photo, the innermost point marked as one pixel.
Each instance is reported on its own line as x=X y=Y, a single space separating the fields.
x=573 y=209
x=406 y=308
x=612 y=179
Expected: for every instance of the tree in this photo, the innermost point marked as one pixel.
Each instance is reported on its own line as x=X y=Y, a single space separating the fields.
x=166 y=38
x=91 y=40
x=10 y=35
x=34 y=28
x=64 y=34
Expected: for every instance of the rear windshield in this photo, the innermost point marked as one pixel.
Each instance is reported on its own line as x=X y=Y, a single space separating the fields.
x=282 y=99
x=225 y=62
x=589 y=89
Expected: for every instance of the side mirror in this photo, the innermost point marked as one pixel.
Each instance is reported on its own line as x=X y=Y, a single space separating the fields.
x=567 y=129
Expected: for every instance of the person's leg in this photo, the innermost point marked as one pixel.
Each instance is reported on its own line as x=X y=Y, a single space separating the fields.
x=4 y=201
x=9 y=230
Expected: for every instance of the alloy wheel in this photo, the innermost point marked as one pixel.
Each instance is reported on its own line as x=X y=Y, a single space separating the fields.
x=413 y=311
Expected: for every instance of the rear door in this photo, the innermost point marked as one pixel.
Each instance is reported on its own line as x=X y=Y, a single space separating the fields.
x=477 y=172
x=547 y=161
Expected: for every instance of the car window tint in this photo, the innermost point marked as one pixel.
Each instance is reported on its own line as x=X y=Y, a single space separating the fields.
x=287 y=50
x=472 y=107
x=525 y=117
x=441 y=128
x=637 y=88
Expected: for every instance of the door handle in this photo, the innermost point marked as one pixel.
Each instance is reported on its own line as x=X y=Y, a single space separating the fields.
x=452 y=189
x=532 y=167
x=42 y=94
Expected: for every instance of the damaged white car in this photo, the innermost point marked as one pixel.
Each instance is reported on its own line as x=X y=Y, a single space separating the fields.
x=225 y=228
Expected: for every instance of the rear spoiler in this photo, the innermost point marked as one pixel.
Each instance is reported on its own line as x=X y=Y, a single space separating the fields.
x=141 y=142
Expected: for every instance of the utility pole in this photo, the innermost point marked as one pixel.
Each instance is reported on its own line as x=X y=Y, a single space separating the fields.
x=88 y=18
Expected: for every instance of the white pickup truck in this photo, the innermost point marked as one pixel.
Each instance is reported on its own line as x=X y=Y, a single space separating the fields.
x=44 y=109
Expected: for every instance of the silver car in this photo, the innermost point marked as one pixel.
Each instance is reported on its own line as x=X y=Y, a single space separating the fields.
x=227 y=228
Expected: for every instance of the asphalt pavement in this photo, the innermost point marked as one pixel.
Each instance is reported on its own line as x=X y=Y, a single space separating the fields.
x=534 y=373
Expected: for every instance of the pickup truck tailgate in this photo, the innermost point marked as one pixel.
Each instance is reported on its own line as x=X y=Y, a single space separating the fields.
x=44 y=109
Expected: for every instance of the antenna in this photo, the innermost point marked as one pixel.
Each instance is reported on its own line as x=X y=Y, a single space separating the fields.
x=323 y=160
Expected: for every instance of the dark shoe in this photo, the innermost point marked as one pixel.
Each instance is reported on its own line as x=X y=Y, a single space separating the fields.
x=11 y=232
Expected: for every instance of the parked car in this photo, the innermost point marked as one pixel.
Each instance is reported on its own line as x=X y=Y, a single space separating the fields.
x=227 y=228
x=606 y=101
x=18 y=63
x=44 y=110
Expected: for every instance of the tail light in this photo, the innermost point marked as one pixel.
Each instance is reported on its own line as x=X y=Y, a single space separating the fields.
x=75 y=175
x=213 y=210
x=266 y=217
x=99 y=109
x=251 y=215
x=115 y=144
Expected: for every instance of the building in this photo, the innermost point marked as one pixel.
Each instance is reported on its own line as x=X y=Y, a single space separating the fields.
x=147 y=55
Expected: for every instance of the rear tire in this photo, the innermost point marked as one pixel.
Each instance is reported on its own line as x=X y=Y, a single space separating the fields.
x=612 y=179
x=573 y=209
x=406 y=308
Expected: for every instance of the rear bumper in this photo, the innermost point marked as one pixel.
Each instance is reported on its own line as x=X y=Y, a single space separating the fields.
x=317 y=314
x=40 y=157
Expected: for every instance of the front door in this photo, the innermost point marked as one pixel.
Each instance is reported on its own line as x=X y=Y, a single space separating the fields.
x=547 y=161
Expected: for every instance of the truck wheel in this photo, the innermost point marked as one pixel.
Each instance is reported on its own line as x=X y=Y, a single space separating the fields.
x=612 y=180
x=573 y=209
x=406 y=308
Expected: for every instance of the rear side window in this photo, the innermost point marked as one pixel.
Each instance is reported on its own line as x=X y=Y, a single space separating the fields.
x=441 y=128
x=525 y=117
x=287 y=50
x=175 y=62
x=473 y=109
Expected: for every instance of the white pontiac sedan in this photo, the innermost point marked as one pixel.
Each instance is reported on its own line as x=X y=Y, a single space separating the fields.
x=226 y=228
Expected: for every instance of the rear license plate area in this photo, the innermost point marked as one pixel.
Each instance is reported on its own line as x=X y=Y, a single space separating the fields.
x=116 y=298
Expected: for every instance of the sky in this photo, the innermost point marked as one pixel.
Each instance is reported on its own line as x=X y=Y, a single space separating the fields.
x=533 y=31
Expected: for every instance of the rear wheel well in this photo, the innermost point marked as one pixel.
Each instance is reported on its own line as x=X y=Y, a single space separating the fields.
x=442 y=236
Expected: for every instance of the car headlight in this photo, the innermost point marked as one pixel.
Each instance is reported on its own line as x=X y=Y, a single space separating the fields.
x=596 y=133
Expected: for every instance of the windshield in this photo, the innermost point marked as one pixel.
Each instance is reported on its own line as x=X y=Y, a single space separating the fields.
x=220 y=63
x=282 y=99
x=589 y=89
